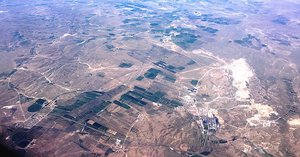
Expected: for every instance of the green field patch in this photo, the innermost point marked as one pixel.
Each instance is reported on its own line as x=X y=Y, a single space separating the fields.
x=182 y=37
x=96 y=125
x=184 y=40
x=122 y=104
x=159 y=94
x=140 y=93
x=25 y=43
x=99 y=127
x=18 y=36
x=79 y=101
x=128 y=98
x=194 y=82
x=93 y=94
x=217 y=20
x=181 y=68
x=96 y=109
x=100 y=74
x=169 y=103
x=140 y=78
x=281 y=20
x=169 y=67
x=101 y=107
x=155 y=31
x=77 y=104
x=251 y=42
x=164 y=101
x=152 y=73
x=210 y=30
x=110 y=47
x=61 y=110
x=191 y=62
x=69 y=117
x=154 y=24
x=175 y=103
x=139 y=88
x=170 y=78
x=130 y=21
x=125 y=65
x=146 y=95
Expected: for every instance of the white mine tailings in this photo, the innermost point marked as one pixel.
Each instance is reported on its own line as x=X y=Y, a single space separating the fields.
x=262 y=115
x=241 y=74
x=294 y=123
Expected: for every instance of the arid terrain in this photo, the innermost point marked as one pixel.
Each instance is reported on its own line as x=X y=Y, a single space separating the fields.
x=150 y=78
